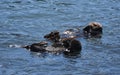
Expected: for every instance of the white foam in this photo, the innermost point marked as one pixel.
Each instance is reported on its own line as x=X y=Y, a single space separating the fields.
x=15 y=46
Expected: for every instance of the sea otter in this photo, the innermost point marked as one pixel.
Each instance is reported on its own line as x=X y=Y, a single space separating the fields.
x=67 y=45
x=93 y=29
x=66 y=42
x=56 y=36
x=53 y=36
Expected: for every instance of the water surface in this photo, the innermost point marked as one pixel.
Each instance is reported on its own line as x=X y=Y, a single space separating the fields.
x=26 y=21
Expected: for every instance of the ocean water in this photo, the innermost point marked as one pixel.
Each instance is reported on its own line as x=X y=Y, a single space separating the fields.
x=25 y=22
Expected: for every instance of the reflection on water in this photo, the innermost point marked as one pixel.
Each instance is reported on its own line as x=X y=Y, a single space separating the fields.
x=24 y=22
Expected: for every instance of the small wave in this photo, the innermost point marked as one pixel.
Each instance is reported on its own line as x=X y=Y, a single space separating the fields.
x=17 y=2
x=15 y=46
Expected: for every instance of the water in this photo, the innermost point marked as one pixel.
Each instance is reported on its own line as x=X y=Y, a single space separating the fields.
x=26 y=21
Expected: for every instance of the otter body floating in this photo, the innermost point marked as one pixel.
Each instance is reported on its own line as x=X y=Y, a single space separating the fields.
x=66 y=42
x=68 y=45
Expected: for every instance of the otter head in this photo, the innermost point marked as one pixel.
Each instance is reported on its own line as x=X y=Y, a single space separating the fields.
x=72 y=46
x=53 y=36
x=93 y=29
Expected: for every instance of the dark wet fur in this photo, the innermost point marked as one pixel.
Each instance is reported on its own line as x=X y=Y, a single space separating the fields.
x=53 y=36
x=71 y=45
x=90 y=32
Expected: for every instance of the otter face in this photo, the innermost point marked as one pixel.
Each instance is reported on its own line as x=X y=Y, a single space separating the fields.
x=72 y=45
x=53 y=36
x=93 y=29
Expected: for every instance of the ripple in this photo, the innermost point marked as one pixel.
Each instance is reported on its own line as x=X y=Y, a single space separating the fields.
x=27 y=21
x=17 y=2
x=64 y=4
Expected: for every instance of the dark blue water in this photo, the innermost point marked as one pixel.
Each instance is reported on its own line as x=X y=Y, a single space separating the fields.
x=26 y=21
